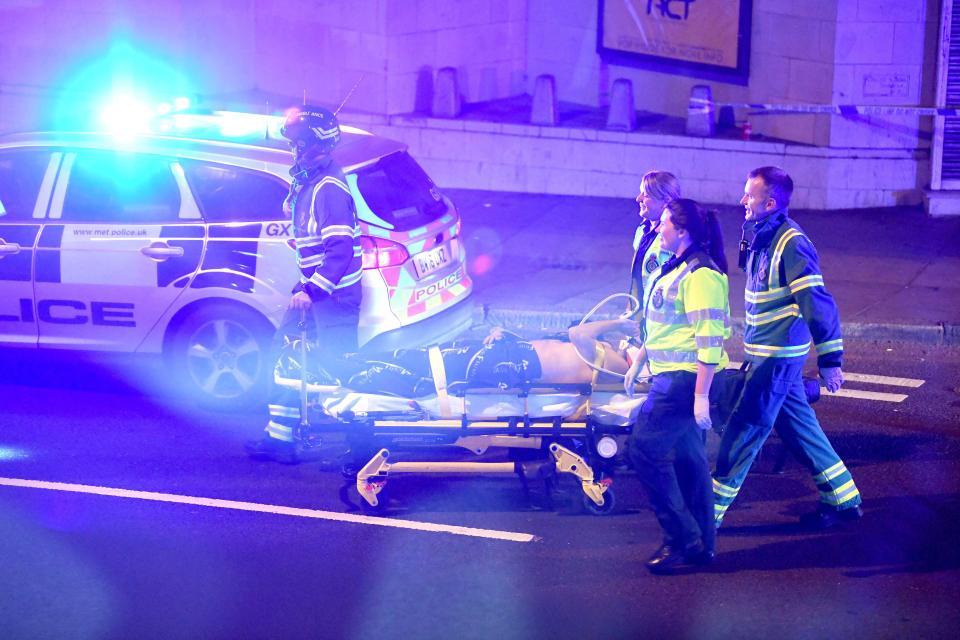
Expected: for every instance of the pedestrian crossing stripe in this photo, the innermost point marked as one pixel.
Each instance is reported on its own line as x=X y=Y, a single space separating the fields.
x=865 y=395
x=887 y=380
x=867 y=378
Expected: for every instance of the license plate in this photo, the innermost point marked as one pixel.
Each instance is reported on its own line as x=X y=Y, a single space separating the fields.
x=430 y=261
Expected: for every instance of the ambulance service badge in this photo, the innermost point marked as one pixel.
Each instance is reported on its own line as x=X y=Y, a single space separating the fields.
x=658 y=298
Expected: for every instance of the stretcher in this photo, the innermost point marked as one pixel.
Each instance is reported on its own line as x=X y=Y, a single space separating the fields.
x=575 y=429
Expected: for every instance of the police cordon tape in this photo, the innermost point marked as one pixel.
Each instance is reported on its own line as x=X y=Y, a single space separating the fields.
x=701 y=105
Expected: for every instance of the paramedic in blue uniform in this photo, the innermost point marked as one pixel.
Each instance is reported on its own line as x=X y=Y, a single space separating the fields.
x=786 y=304
x=328 y=254
x=657 y=189
x=686 y=318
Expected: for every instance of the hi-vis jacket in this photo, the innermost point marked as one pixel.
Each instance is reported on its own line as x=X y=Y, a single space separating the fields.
x=647 y=258
x=686 y=314
x=327 y=236
x=786 y=301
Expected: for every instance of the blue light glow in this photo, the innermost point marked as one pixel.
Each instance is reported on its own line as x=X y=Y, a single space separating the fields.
x=125 y=115
x=119 y=91
x=12 y=453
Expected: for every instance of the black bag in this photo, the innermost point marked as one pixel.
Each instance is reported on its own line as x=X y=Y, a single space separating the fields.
x=728 y=386
x=724 y=394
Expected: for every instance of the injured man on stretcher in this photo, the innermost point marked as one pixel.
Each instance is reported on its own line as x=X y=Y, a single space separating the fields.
x=587 y=353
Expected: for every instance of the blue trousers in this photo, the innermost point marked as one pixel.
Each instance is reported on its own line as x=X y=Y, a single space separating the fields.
x=667 y=450
x=773 y=397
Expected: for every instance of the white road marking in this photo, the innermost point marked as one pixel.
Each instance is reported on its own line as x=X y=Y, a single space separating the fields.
x=887 y=380
x=269 y=508
x=866 y=378
x=865 y=395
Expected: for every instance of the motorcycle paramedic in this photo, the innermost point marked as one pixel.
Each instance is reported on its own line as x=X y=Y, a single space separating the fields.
x=786 y=303
x=328 y=255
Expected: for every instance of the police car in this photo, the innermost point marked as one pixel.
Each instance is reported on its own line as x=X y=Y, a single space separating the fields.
x=175 y=243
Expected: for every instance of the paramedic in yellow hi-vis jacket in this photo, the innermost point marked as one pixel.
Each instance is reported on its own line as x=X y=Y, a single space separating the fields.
x=785 y=303
x=686 y=318
x=657 y=189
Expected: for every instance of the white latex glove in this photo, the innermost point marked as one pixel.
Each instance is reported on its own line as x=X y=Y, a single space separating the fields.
x=631 y=376
x=701 y=410
x=832 y=378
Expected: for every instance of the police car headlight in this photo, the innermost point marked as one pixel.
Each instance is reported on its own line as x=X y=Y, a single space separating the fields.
x=607 y=447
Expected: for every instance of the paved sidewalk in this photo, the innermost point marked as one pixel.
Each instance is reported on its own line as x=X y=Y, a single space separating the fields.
x=542 y=261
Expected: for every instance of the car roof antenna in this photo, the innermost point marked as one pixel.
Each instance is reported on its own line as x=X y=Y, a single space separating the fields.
x=350 y=93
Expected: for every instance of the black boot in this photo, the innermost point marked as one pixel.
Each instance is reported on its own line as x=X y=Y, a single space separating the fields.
x=825 y=517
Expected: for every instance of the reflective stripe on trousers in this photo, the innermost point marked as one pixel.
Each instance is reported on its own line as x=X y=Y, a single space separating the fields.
x=773 y=397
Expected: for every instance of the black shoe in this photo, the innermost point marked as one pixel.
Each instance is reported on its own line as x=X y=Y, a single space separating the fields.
x=268 y=448
x=664 y=560
x=826 y=517
x=698 y=556
x=668 y=559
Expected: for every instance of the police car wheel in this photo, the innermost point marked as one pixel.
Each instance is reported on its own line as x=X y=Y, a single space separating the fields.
x=220 y=354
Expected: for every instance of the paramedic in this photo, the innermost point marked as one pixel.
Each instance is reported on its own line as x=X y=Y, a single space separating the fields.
x=686 y=318
x=785 y=303
x=657 y=189
x=328 y=255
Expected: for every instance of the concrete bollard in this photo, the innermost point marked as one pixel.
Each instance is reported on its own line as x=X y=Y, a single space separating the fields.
x=622 y=115
x=423 y=97
x=446 y=94
x=726 y=118
x=700 y=112
x=546 y=108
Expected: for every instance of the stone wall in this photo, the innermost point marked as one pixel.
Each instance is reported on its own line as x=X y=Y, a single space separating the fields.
x=485 y=40
x=791 y=55
x=872 y=52
x=577 y=161
x=267 y=50
x=885 y=54
x=823 y=51
x=840 y=51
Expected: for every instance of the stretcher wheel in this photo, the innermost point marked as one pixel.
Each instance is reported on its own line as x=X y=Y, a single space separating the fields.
x=609 y=502
x=383 y=499
x=379 y=509
x=350 y=496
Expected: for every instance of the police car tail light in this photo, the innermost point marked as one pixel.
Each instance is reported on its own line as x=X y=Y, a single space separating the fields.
x=379 y=253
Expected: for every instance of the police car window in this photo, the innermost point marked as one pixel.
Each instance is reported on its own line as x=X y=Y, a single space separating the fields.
x=21 y=173
x=122 y=188
x=232 y=194
x=400 y=192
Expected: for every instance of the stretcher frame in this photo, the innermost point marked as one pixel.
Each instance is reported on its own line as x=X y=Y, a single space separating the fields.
x=570 y=443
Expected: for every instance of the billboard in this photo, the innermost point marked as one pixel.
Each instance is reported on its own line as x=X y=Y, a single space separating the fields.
x=702 y=38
